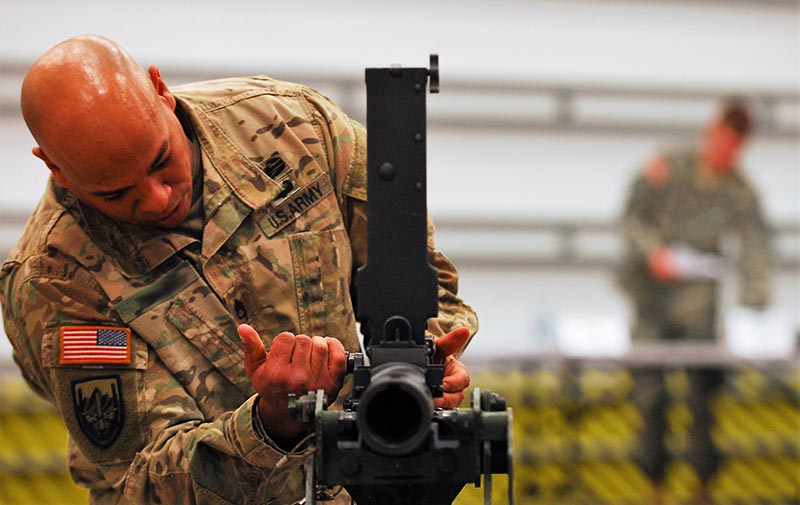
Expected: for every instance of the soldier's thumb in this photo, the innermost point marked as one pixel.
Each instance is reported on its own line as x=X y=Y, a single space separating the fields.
x=452 y=342
x=254 y=352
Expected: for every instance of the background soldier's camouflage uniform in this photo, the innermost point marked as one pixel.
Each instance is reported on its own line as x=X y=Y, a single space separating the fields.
x=694 y=208
x=188 y=430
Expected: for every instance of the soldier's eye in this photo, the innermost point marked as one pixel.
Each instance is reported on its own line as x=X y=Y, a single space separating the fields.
x=113 y=197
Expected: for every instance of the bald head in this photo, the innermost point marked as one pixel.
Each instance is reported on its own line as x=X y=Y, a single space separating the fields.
x=108 y=132
x=86 y=94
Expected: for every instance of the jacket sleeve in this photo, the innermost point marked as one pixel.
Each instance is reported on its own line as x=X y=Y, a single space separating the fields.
x=346 y=142
x=639 y=220
x=165 y=452
x=755 y=254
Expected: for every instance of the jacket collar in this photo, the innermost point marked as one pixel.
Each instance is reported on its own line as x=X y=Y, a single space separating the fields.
x=136 y=249
x=233 y=187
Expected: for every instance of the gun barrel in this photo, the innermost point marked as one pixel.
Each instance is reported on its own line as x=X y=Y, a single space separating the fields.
x=396 y=409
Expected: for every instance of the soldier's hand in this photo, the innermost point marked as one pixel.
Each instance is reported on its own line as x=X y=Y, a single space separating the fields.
x=662 y=265
x=294 y=364
x=456 y=375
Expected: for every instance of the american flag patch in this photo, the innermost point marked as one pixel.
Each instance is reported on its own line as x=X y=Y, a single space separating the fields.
x=95 y=345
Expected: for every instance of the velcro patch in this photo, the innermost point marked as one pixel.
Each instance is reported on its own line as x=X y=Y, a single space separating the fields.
x=295 y=203
x=99 y=408
x=97 y=345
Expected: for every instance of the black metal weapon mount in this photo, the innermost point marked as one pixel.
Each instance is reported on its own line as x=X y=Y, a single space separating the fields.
x=389 y=445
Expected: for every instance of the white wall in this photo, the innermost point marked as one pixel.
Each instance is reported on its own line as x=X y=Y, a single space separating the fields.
x=748 y=44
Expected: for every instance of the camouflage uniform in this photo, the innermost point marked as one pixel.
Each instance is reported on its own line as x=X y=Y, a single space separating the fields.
x=284 y=206
x=688 y=206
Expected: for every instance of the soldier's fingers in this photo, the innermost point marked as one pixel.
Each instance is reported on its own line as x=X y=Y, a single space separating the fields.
x=337 y=358
x=449 y=400
x=456 y=376
x=452 y=342
x=302 y=350
x=281 y=349
x=254 y=352
x=319 y=354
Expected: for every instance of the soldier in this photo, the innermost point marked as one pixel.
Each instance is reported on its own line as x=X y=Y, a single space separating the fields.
x=677 y=212
x=180 y=231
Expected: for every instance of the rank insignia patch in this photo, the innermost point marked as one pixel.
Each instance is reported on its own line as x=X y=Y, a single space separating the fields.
x=95 y=345
x=99 y=408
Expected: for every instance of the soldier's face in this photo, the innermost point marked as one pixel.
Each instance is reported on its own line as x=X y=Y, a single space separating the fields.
x=722 y=147
x=141 y=171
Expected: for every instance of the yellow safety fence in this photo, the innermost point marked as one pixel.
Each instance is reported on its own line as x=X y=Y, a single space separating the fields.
x=33 y=450
x=575 y=430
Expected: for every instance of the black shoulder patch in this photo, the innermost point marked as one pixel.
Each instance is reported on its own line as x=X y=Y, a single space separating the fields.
x=99 y=408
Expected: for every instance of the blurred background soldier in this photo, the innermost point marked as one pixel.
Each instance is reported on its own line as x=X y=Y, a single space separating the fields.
x=677 y=212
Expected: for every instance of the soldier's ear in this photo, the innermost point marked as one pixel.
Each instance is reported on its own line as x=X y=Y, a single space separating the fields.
x=55 y=170
x=161 y=87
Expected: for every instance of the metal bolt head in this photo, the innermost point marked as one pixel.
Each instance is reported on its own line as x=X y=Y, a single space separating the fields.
x=387 y=171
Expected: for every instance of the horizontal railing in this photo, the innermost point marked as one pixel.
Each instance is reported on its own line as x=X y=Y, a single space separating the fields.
x=675 y=354
x=495 y=242
x=564 y=243
x=517 y=105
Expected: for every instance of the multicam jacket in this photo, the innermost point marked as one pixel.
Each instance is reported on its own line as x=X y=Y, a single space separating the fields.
x=686 y=205
x=167 y=415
